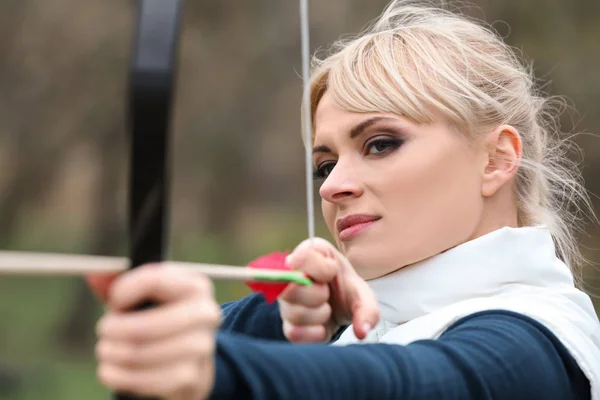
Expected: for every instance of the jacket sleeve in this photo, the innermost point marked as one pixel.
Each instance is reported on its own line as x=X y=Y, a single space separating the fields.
x=489 y=355
x=253 y=316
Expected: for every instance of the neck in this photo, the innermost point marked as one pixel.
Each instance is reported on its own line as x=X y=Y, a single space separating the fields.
x=499 y=211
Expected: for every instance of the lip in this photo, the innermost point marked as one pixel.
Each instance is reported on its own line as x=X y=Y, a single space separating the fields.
x=352 y=225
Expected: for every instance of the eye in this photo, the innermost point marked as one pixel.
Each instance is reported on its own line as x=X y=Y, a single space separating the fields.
x=381 y=145
x=323 y=170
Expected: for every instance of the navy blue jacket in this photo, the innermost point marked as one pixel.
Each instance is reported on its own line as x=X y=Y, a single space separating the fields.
x=488 y=355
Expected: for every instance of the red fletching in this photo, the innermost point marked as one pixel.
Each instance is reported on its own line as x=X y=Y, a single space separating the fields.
x=274 y=261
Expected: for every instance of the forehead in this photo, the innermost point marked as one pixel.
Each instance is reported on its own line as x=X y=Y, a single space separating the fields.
x=327 y=110
x=331 y=118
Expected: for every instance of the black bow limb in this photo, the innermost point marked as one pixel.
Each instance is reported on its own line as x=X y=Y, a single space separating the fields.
x=152 y=82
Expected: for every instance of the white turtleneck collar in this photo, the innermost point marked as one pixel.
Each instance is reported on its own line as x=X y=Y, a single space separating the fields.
x=513 y=269
x=486 y=266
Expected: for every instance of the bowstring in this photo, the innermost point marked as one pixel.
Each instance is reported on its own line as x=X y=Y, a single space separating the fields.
x=306 y=116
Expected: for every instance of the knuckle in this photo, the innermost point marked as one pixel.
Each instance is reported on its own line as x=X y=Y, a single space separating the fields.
x=191 y=376
x=326 y=313
x=303 y=245
x=209 y=313
x=102 y=326
x=298 y=259
x=121 y=353
x=297 y=315
x=323 y=247
x=319 y=334
x=203 y=285
x=289 y=294
x=203 y=346
x=312 y=296
x=295 y=296
x=168 y=272
x=318 y=266
x=152 y=277
x=303 y=334
x=315 y=295
x=283 y=307
x=214 y=312
x=106 y=375
x=322 y=244
x=201 y=313
x=307 y=250
x=187 y=375
x=130 y=354
x=101 y=350
x=309 y=334
x=290 y=332
x=320 y=294
x=137 y=333
x=332 y=265
x=157 y=275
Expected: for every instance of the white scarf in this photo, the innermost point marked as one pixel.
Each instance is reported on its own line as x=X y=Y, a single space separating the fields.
x=513 y=269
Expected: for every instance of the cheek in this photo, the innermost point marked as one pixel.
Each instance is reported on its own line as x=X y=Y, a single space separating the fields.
x=435 y=203
x=328 y=211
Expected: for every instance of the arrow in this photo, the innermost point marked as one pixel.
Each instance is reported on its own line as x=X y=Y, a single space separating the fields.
x=267 y=269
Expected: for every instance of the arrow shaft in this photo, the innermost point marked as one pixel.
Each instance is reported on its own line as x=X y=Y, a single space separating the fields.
x=51 y=264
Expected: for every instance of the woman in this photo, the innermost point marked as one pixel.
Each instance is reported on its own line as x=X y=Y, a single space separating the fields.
x=448 y=195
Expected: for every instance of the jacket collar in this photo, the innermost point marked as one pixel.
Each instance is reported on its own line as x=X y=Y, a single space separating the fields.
x=495 y=263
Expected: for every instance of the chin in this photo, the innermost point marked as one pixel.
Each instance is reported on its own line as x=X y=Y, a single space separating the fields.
x=367 y=266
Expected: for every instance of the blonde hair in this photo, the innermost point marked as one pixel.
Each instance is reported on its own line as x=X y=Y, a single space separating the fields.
x=422 y=60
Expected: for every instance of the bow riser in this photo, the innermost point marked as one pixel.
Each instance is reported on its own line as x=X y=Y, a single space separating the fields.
x=151 y=89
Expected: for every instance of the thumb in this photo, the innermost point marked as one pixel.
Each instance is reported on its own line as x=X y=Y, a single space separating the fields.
x=365 y=311
x=100 y=284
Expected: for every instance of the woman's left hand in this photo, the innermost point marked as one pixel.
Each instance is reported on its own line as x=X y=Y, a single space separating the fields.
x=166 y=351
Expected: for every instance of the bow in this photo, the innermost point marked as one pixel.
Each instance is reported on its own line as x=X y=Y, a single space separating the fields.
x=152 y=82
x=152 y=86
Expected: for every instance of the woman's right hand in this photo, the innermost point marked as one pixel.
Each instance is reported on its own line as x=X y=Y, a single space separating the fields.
x=339 y=296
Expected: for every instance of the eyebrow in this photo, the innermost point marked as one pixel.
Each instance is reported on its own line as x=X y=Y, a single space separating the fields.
x=354 y=132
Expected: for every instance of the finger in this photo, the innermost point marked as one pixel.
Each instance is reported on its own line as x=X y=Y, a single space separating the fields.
x=100 y=284
x=163 y=382
x=301 y=316
x=309 y=296
x=317 y=260
x=160 y=284
x=365 y=310
x=192 y=345
x=160 y=322
x=305 y=334
x=324 y=247
x=319 y=244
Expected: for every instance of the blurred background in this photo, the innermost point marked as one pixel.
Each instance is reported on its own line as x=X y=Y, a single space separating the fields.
x=237 y=181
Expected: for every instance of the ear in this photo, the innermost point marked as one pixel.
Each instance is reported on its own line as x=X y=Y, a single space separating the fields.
x=503 y=151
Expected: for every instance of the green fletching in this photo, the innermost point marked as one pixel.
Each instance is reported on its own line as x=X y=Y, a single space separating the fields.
x=291 y=277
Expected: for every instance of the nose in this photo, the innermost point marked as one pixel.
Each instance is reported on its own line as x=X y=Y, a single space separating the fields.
x=341 y=184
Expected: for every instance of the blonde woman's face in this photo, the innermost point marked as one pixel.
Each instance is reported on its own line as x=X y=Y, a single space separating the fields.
x=393 y=192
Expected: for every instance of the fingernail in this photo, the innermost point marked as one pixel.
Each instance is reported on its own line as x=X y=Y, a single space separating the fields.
x=367 y=327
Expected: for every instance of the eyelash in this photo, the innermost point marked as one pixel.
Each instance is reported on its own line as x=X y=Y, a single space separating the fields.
x=391 y=144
